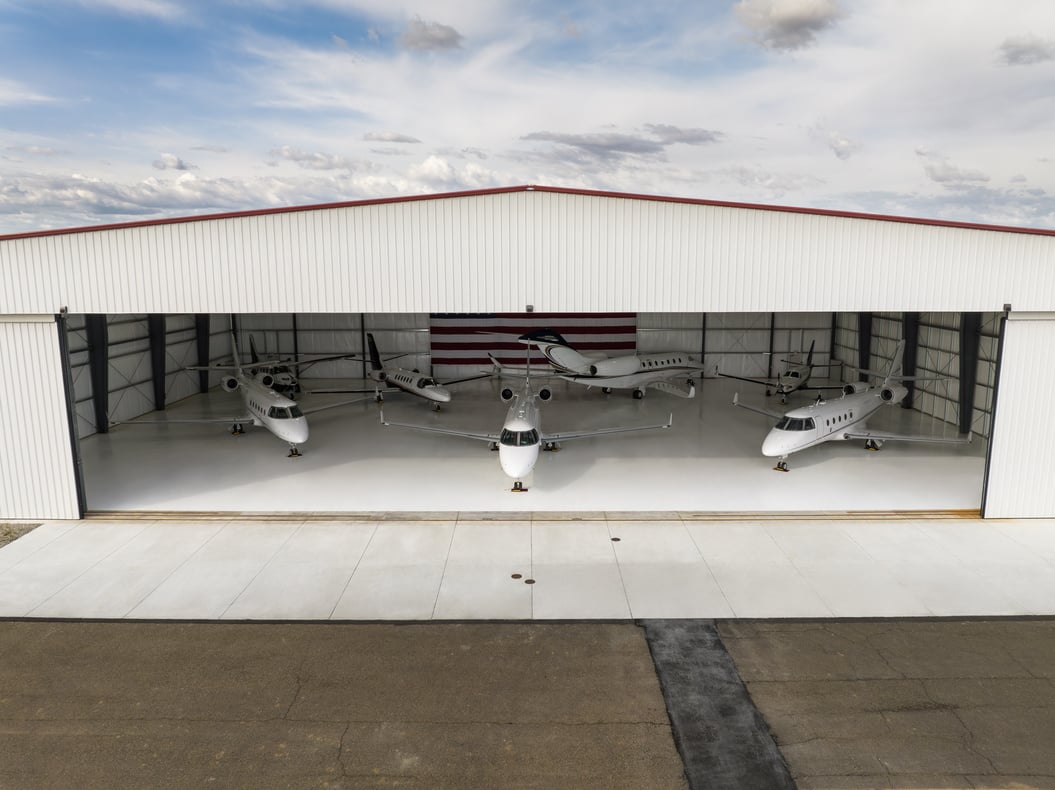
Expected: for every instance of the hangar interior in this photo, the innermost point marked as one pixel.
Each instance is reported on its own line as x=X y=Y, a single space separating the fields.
x=709 y=462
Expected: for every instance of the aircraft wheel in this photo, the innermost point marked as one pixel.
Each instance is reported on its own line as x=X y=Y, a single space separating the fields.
x=639 y=394
x=606 y=390
x=782 y=466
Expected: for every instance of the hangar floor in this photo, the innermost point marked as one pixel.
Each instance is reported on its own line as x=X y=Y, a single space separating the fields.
x=708 y=462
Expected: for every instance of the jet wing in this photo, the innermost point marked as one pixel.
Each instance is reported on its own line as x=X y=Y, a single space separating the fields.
x=763 y=382
x=568 y=436
x=189 y=420
x=776 y=415
x=677 y=390
x=907 y=437
x=483 y=437
x=469 y=378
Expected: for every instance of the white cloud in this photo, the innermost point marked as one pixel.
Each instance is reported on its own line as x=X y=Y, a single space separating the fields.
x=938 y=168
x=389 y=137
x=1027 y=50
x=160 y=9
x=171 y=162
x=431 y=36
x=318 y=160
x=14 y=92
x=787 y=24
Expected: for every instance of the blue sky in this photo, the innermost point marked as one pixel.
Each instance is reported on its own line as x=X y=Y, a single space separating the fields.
x=114 y=110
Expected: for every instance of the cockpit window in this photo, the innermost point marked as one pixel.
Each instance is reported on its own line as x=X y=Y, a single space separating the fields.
x=795 y=424
x=519 y=438
x=294 y=411
x=426 y=382
x=793 y=374
x=278 y=413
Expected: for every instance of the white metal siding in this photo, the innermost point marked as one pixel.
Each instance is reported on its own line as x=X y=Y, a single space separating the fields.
x=1019 y=479
x=556 y=251
x=36 y=465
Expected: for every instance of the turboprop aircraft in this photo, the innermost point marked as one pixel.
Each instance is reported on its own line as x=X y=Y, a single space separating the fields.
x=394 y=379
x=264 y=407
x=795 y=376
x=843 y=418
x=522 y=437
x=631 y=371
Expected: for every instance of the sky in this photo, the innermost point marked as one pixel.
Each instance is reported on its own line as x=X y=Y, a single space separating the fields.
x=125 y=110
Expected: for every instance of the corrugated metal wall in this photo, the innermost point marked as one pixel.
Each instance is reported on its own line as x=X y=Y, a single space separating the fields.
x=36 y=465
x=556 y=251
x=1019 y=476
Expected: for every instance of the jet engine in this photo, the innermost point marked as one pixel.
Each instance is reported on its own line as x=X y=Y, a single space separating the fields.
x=544 y=394
x=506 y=394
x=893 y=394
x=267 y=380
x=229 y=383
x=616 y=366
x=854 y=386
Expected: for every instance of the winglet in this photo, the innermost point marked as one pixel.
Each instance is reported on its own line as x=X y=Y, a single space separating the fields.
x=670 y=420
x=736 y=398
x=381 y=412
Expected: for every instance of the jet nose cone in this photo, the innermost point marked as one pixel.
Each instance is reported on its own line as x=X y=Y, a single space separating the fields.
x=517 y=462
x=297 y=432
x=441 y=394
x=774 y=445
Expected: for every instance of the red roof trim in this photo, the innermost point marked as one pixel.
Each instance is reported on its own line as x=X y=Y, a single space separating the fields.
x=532 y=188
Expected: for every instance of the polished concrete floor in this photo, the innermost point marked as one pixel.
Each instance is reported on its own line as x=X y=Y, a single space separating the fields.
x=710 y=461
x=469 y=569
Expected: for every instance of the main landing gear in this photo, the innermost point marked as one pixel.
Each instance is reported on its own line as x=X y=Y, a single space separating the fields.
x=606 y=390
x=872 y=444
x=782 y=465
x=293 y=451
x=518 y=487
x=237 y=429
x=550 y=447
x=639 y=394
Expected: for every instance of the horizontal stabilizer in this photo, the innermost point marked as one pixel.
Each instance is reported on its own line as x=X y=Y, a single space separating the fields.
x=679 y=391
x=776 y=415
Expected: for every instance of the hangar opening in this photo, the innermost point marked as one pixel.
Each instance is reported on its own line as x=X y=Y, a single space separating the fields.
x=709 y=461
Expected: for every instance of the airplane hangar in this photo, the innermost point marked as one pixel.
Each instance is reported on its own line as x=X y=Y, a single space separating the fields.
x=125 y=310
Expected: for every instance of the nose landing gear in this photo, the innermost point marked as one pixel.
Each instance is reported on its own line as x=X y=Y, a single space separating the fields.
x=518 y=487
x=293 y=451
x=782 y=465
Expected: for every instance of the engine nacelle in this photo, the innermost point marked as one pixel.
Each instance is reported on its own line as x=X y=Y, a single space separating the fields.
x=506 y=394
x=544 y=394
x=616 y=366
x=229 y=383
x=893 y=394
x=854 y=387
x=267 y=380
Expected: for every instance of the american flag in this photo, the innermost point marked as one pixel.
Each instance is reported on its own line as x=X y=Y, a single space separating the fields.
x=460 y=340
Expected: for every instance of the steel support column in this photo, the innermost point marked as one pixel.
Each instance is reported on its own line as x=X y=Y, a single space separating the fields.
x=970 y=337
x=156 y=331
x=71 y=413
x=769 y=358
x=99 y=367
x=202 y=326
x=910 y=334
x=864 y=344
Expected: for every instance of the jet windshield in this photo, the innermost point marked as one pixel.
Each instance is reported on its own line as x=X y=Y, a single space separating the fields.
x=795 y=424
x=519 y=438
x=284 y=413
x=426 y=382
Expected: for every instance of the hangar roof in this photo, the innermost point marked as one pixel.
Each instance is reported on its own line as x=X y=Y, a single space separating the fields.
x=531 y=188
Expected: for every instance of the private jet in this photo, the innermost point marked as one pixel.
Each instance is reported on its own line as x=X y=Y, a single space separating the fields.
x=264 y=406
x=636 y=372
x=522 y=438
x=280 y=374
x=843 y=418
x=396 y=379
x=796 y=376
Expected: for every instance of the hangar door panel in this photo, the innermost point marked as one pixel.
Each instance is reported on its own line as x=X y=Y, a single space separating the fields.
x=36 y=467
x=1019 y=480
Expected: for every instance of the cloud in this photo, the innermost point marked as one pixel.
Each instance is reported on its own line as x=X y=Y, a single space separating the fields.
x=159 y=9
x=14 y=92
x=172 y=162
x=787 y=24
x=35 y=150
x=430 y=36
x=317 y=160
x=672 y=134
x=602 y=146
x=389 y=137
x=940 y=170
x=1026 y=50
x=216 y=149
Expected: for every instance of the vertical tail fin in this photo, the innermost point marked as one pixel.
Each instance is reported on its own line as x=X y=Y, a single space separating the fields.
x=375 y=357
x=234 y=353
x=809 y=356
x=896 y=365
x=253 y=356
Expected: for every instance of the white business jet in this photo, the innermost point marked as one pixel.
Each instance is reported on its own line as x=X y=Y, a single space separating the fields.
x=796 y=376
x=264 y=407
x=631 y=371
x=396 y=379
x=843 y=418
x=522 y=437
